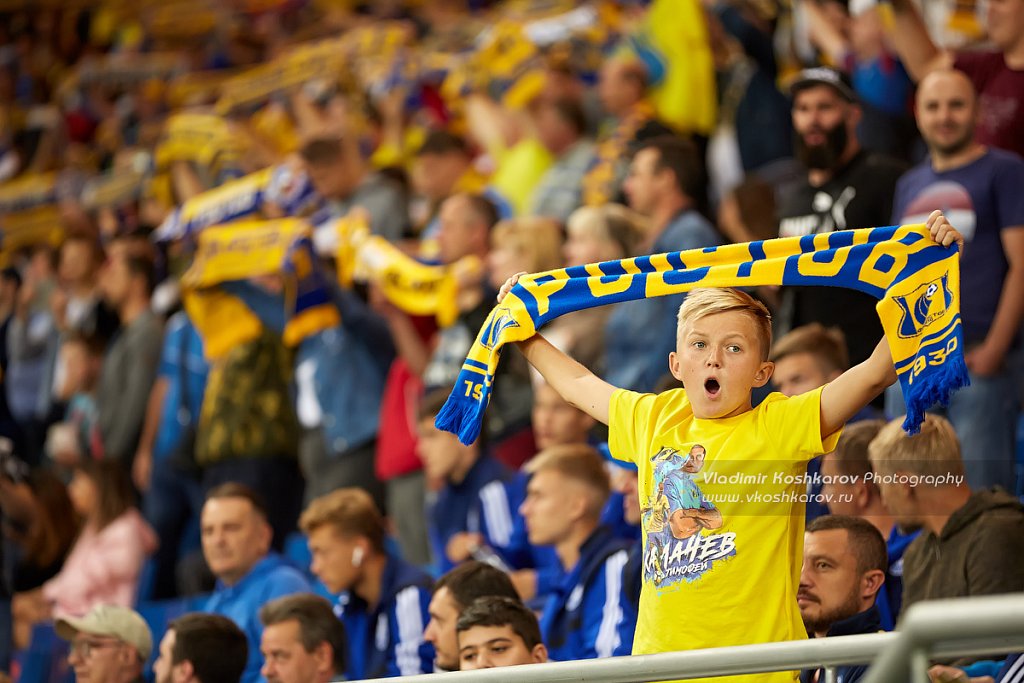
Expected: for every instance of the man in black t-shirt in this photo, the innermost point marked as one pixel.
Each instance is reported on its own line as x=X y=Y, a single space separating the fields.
x=846 y=188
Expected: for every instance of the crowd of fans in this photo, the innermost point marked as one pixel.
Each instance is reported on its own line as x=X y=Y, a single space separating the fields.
x=169 y=442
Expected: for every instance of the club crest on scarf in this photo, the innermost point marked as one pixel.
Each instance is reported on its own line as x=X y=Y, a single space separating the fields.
x=924 y=306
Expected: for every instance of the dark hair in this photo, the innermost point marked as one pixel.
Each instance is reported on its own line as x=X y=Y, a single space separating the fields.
x=54 y=528
x=473 y=580
x=678 y=155
x=322 y=151
x=140 y=259
x=93 y=344
x=501 y=611
x=484 y=210
x=216 y=647
x=317 y=624
x=431 y=403
x=115 y=493
x=233 y=489
x=570 y=111
x=443 y=142
x=11 y=274
x=864 y=540
x=851 y=453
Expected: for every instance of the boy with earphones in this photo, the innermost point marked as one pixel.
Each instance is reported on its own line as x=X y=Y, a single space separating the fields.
x=382 y=600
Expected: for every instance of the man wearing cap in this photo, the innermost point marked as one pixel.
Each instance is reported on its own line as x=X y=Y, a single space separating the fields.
x=846 y=188
x=108 y=645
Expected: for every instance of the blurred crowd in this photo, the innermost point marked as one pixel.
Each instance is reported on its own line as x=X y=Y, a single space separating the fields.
x=202 y=370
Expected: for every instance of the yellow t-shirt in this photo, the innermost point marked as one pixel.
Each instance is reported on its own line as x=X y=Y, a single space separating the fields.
x=725 y=570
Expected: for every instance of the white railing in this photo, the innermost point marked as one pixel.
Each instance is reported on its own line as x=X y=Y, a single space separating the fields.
x=941 y=629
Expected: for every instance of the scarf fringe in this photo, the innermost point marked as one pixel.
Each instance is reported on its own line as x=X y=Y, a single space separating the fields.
x=935 y=387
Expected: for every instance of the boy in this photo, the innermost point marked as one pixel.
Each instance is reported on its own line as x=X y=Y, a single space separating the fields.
x=498 y=631
x=735 y=569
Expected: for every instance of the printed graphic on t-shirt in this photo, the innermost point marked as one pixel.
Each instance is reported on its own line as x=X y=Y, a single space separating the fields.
x=829 y=215
x=952 y=199
x=676 y=516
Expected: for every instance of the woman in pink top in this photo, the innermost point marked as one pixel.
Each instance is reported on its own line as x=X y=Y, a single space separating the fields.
x=104 y=565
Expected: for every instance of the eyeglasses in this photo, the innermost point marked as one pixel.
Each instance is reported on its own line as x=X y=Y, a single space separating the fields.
x=83 y=648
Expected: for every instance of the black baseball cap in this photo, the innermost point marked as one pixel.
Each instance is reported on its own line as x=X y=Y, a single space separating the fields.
x=824 y=75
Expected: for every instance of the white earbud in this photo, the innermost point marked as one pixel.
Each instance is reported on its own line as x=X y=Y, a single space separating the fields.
x=357 y=556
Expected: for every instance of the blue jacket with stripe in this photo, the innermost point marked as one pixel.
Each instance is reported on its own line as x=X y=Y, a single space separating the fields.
x=388 y=640
x=590 y=613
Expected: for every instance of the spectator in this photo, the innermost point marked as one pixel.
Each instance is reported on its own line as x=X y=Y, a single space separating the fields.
x=498 y=631
x=843 y=571
x=589 y=615
x=622 y=90
x=556 y=422
x=979 y=535
x=303 y=642
x=104 y=565
x=78 y=435
x=594 y=234
x=164 y=468
x=845 y=188
x=31 y=352
x=236 y=544
x=981 y=187
x=453 y=593
x=850 y=490
x=339 y=175
x=997 y=75
x=531 y=245
x=374 y=586
x=471 y=508
x=201 y=648
x=664 y=186
x=807 y=358
x=561 y=126
x=77 y=304
x=10 y=283
x=108 y=645
x=129 y=369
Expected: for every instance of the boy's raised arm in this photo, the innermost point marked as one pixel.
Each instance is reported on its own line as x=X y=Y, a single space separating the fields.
x=844 y=396
x=571 y=379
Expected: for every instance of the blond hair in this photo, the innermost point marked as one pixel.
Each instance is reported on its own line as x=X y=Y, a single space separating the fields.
x=579 y=462
x=350 y=511
x=935 y=451
x=706 y=301
x=615 y=224
x=828 y=346
x=539 y=240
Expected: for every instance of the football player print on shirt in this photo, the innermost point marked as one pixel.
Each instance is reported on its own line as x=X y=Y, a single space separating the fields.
x=676 y=516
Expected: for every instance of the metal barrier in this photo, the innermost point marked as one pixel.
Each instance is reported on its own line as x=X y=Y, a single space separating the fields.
x=940 y=629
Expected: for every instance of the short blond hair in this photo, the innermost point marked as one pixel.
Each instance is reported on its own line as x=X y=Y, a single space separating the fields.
x=827 y=345
x=706 y=301
x=935 y=451
x=614 y=224
x=579 y=462
x=350 y=511
x=538 y=239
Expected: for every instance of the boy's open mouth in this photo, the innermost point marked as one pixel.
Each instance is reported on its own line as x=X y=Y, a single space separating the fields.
x=711 y=386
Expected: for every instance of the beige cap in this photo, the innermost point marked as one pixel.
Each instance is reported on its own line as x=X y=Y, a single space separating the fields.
x=106 y=620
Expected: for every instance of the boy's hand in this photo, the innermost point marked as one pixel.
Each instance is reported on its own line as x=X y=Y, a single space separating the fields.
x=509 y=284
x=942 y=232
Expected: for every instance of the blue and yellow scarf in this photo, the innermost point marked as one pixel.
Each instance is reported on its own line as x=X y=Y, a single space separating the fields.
x=916 y=281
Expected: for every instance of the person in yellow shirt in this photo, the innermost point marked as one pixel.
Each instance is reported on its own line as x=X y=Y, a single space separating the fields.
x=724 y=481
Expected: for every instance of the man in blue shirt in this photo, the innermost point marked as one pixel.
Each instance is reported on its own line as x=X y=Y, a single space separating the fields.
x=980 y=190
x=382 y=600
x=236 y=544
x=173 y=495
x=467 y=505
x=589 y=614
x=665 y=184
